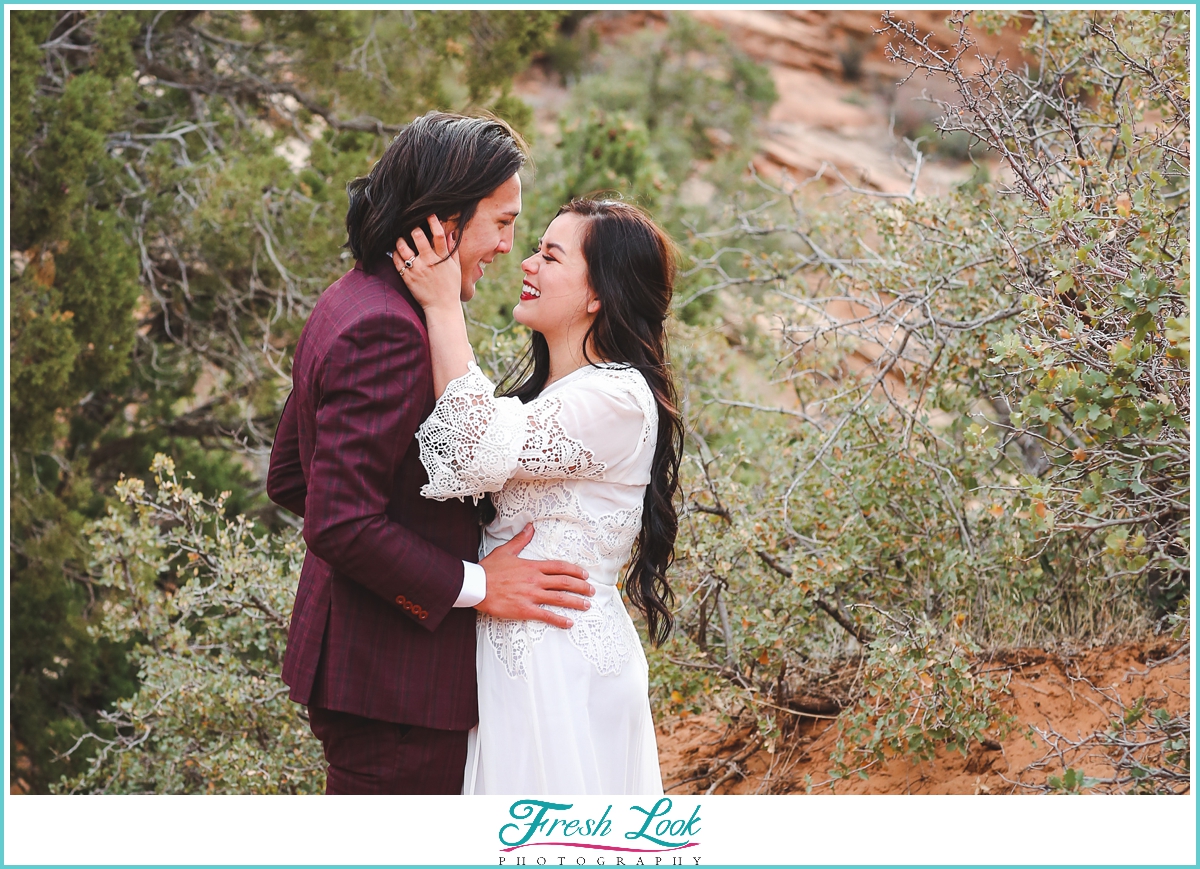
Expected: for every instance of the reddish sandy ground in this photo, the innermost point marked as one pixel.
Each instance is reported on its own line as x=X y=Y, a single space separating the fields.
x=1068 y=697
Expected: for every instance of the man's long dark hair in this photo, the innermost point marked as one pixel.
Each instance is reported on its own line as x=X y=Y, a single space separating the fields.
x=631 y=269
x=439 y=164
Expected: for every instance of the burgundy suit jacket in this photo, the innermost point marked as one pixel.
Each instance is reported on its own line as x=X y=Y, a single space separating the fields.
x=373 y=629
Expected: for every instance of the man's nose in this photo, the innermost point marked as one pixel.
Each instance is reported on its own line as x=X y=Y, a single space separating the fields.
x=506 y=241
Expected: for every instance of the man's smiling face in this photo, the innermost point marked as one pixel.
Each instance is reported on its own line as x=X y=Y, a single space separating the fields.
x=489 y=233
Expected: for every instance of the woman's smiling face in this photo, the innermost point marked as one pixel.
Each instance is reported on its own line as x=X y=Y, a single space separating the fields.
x=555 y=296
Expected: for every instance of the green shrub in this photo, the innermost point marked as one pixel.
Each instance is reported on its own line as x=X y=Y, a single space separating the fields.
x=921 y=691
x=203 y=599
x=973 y=406
x=165 y=257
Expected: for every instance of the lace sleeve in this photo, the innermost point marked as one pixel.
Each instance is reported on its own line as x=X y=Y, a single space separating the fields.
x=464 y=442
x=473 y=442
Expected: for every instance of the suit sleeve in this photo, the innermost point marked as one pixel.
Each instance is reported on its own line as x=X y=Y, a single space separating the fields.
x=369 y=403
x=286 y=485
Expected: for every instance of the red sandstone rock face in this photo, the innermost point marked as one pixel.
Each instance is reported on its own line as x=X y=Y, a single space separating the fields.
x=839 y=112
x=828 y=41
x=839 y=108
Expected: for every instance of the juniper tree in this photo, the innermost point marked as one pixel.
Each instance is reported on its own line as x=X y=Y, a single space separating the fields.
x=178 y=196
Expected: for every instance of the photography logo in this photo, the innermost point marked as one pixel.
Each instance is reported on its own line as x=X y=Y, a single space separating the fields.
x=641 y=836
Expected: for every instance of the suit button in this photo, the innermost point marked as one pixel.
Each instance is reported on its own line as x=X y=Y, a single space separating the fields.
x=400 y=599
x=422 y=614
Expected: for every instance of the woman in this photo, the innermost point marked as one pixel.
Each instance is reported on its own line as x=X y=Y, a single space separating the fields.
x=586 y=448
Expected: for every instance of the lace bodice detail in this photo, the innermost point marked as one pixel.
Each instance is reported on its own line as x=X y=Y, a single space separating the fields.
x=575 y=462
x=473 y=442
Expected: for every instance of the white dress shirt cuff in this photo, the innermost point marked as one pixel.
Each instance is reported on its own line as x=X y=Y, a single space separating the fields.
x=474 y=587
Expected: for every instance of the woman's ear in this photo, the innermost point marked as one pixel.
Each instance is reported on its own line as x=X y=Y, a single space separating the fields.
x=593 y=305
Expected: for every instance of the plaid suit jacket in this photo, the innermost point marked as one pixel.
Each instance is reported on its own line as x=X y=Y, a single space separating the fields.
x=373 y=629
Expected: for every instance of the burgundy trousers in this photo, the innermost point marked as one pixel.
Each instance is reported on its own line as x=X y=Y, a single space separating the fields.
x=368 y=756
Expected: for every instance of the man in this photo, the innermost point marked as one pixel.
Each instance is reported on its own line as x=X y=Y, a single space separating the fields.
x=382 y=640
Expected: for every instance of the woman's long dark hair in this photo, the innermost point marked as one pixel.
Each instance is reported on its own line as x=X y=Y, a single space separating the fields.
x=631 y=269
x=440 y=164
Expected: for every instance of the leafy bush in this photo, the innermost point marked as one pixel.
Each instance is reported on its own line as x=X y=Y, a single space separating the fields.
x=1097 y=368
x=972 y=406
x=178 y=203
x=920 y=692
x=203 y=599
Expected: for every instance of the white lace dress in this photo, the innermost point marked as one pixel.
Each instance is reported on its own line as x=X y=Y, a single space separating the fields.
x=560 y=712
